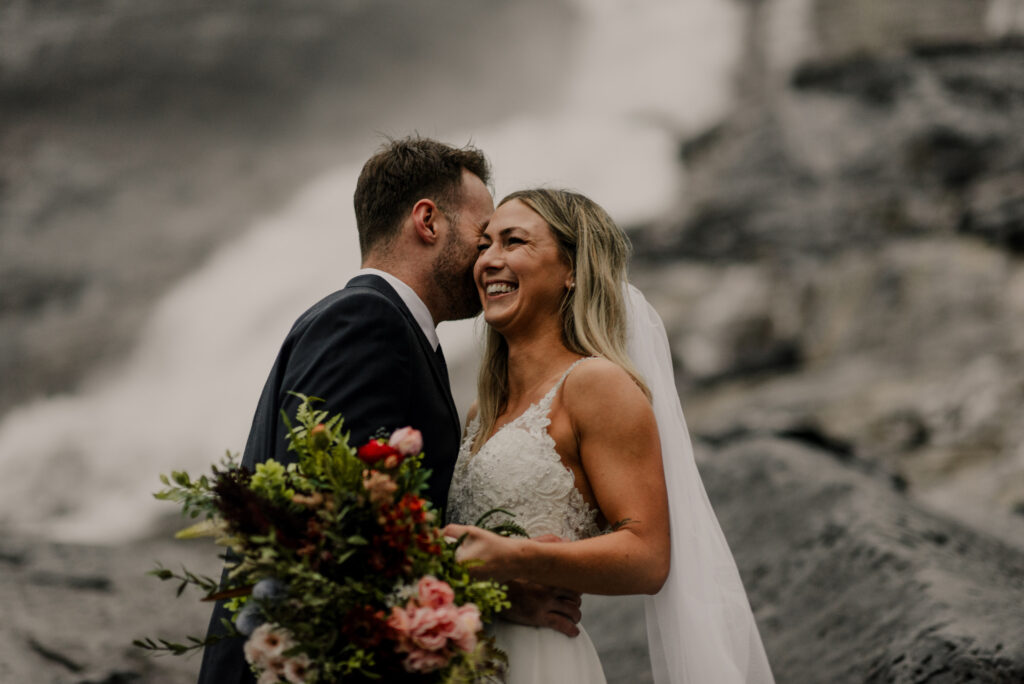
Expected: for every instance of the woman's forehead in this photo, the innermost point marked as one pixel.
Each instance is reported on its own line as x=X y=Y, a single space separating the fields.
x=515 y=215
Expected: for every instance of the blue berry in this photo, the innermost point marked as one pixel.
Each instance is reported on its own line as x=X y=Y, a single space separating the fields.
x=269 y=589
x=249 y=618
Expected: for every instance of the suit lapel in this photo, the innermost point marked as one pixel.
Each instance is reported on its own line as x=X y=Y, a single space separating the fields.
x=440 y=374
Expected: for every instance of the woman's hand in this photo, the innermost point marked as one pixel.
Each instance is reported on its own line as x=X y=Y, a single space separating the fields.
x=495 y=555
x=532 y=604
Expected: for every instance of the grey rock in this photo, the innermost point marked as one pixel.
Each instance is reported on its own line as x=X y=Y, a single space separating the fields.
x=854 y=150
x=908 y=361
x=71 y=612
x=851 y=582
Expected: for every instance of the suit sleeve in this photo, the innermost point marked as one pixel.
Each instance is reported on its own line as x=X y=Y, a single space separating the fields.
x=356 y=356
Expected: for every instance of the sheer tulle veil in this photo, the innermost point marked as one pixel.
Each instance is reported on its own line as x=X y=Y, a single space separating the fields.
x=700 y=628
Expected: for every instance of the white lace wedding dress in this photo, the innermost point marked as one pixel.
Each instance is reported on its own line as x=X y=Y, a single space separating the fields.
x=519 y=470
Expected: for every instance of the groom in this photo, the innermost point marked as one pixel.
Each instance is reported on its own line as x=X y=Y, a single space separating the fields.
x=371 y=349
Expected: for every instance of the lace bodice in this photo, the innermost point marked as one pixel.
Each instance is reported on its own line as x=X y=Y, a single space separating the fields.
x=518 y=470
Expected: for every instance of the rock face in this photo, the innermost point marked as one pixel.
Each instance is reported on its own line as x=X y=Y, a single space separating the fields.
x=848 y=265
x=851 y=582
x=71 y=612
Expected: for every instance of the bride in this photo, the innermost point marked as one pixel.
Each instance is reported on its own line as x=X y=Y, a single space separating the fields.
x=577 y=431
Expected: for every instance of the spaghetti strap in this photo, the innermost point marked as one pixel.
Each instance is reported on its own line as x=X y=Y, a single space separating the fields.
x=545 y=403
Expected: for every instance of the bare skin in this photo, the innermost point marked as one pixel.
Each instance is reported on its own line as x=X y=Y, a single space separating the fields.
x=601 y=422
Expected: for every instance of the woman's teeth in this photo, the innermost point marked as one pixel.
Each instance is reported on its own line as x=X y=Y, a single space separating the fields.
x=500 y=288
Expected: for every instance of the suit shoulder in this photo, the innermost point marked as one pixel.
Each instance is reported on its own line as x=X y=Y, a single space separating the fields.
x=360 y=306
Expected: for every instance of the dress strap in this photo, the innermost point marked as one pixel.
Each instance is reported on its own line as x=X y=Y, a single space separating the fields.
x=472 y=428
x=545 y=403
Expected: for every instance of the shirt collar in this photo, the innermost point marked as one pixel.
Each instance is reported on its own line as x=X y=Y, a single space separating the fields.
x=412 y=301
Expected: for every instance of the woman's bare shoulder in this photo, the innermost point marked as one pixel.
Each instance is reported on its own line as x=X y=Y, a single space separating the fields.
x=601 y=385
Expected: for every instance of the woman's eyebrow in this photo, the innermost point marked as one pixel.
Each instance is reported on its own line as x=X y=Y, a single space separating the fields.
x=501 y=233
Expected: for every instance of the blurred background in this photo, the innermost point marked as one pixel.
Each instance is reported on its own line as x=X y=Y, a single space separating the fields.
x=826 y=200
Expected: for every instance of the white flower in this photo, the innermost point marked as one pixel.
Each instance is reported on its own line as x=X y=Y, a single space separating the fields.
x=296 y=669
x=400 y=595
x=266 y=644
x=268 y=677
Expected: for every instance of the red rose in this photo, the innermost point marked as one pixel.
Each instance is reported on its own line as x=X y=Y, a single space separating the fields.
x=375 y=450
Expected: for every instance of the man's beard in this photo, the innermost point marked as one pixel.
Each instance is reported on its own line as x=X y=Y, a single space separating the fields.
x=454 y=281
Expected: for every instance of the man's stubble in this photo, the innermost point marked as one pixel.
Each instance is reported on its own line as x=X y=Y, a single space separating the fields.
x=453 y=277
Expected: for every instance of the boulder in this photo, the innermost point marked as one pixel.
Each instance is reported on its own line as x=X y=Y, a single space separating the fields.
x=71 y=612
x=852 y=582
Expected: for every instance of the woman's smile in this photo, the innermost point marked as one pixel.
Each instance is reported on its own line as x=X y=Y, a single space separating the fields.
x=500 y=288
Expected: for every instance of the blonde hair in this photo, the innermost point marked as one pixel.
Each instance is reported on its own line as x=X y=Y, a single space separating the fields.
x=593 y=312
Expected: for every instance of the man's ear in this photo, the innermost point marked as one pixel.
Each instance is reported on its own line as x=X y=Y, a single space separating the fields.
x=425 y=216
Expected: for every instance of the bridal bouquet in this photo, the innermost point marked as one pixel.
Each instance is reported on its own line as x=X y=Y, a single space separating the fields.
x=338 y=571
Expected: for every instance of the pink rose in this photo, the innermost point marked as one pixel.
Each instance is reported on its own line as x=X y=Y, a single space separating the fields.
x=406 y=440
x=433 y=592
x=400 y=621
x=431 y=627
x=467 y=626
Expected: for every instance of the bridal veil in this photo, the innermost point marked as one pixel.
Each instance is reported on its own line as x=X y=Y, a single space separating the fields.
x=700 y=628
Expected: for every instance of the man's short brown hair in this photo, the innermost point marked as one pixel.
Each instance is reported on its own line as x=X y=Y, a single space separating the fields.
x=403 y=172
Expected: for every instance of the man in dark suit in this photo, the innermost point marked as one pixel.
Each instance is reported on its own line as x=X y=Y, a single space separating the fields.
x=371 y=349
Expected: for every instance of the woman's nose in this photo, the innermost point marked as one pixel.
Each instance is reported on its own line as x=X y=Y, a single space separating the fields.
x=489 y=257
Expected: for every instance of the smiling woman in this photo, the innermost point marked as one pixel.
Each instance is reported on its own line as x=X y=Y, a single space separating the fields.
x=566 y=441
x=567 y=444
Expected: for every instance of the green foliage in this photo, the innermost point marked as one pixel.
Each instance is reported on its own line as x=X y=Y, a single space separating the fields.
x=506 y=528
x=270 y=481
x=487 y=663
x=206 y=584
x=345 y=553
x=171 y=647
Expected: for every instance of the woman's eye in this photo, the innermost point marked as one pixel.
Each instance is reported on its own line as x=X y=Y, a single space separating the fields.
x=515 y=240
x=482 y=247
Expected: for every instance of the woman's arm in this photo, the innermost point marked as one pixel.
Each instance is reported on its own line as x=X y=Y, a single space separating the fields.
x=621 y=457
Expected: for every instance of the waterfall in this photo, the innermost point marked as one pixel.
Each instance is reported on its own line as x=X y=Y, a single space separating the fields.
x=82 y=467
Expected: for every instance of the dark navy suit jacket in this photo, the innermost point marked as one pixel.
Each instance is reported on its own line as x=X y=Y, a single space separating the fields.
x=362 y=351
